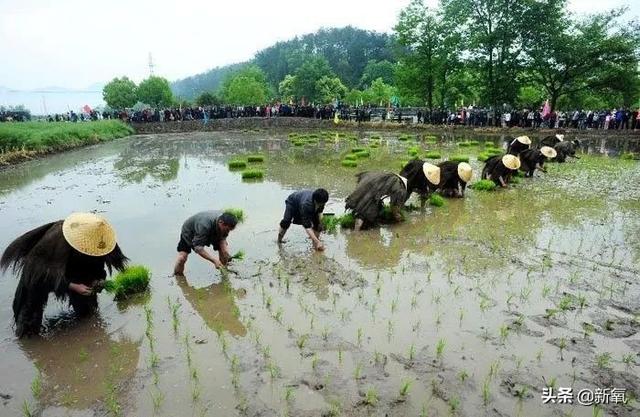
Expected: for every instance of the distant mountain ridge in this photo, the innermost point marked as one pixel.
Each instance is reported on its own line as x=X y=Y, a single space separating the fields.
x=347 y=50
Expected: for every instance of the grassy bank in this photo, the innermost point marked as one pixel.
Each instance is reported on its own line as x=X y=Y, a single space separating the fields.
x=20 y=141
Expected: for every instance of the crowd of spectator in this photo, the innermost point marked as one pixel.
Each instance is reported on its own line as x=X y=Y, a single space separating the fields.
x=621 y=119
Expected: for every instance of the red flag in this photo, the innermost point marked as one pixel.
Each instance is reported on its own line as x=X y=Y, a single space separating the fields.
x=86 y=109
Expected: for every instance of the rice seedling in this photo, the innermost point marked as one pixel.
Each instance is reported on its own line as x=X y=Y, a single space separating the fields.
x=340 y=355
x=330 y=223
x=459 y=158
x=36 y=384
x=486 y=391
x=413 y=151
x=412 y=352
x=255 y=158
x=359 y=336
x=314 y=362
x=603 y=360
x=347 y=221
x=357 y=372
x=26 y=409
x=483 y=185
x=436 y=200
x=371 y=397
x=433 y=155
x=494 y=368
x=302 y=341
x=111 y=401
x=335 y=409
x=628 y=359
x=562 y=344
x=157 y=399
x=404 y=137
x=274 y=371
x=351 y=157
x=349 y=164
x=239 y=255
x=405 y=387
x=278 y=315
x=236 y=164
x=539 y=354
x=463 y=375
x=440 y=348
x=454 y=404
x=363 y=154
x=134 y=279
x=249 y=174
x=504 y=333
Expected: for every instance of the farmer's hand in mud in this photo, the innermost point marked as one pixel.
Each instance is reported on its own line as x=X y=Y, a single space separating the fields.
x=318 y=246
x=81 y=289
x=217 y=264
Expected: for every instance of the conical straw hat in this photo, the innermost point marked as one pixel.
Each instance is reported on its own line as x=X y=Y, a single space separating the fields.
x=432 y=172
x=560 y=137
x=549 y=152
x=511 y=162
x=465 y=172
x=89 y=234
x=524 y=140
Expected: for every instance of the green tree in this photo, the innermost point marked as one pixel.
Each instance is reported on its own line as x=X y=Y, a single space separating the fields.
x=304 y=83
x=379 y=93
x=430 y=53
x=378 y=69
x=594 y=55
x=155 y=91
x=286 y=88
x=246 y=87
x=120 y=93
x=329 y=89
x=207 y=99
x=494 y=32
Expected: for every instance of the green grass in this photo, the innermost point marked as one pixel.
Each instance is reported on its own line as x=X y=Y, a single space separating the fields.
x=459 y=158
x=349 y=164
x=433 y=155
x=134 y=279
x=255 y=158
x=248 y=174
x=236 y=164
x=484 y=185
x=236 y=212
x=436 y=200
x=44 y=136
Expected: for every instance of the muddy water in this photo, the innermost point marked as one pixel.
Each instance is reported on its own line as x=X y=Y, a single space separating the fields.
x=472 y=307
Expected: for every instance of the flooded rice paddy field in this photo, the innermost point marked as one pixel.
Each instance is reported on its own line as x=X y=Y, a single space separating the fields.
x=468 y=309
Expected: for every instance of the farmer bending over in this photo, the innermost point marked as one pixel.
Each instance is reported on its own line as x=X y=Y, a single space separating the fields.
x=207 y=228
x=305 y=208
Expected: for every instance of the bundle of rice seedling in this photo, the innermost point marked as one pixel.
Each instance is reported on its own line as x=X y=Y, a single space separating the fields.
x=236 y=164
x=330 y=223
x=363 y=154
x=351 y=157
x=459 y=158
x=349 y=163
x=387 y=215
x=436 y=200
x=413 y=151
x=483 y=185
x=433 y=155
x=376 y=137
x=628 y=156
x=255 y=158
x=134 y=279
x=236 y=212
x=403 y=164
x=252 y=174
x=404 y=137
x=347 y=221
x=357 y=149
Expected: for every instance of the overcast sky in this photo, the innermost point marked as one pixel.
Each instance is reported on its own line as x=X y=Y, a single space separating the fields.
x=74 y=43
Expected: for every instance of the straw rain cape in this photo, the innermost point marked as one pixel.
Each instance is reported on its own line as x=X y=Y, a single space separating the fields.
x=46 y=263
